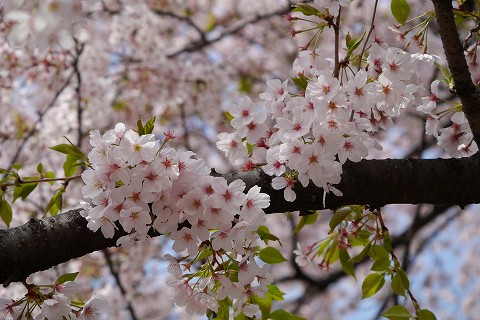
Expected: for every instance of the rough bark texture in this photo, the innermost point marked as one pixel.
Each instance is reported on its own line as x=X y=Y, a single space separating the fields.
x=41 y=244
x=457 y=63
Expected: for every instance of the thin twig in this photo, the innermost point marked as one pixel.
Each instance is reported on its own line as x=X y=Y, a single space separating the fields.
x=76 y=69
x=40 y=119
x=235 y=28
x=108 y=257
x=372 y=27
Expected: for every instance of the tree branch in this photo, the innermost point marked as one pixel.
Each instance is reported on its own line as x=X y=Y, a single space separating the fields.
x=233 y=29
x=40 y=244
x=457 y=63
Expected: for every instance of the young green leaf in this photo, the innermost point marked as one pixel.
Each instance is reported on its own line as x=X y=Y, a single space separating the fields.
x=275 y=293
x=281 y=315
x=307 y=219
x=140 y=127
x=149 y=125
x=359 y=257
x=5 y=212
x=397 y=313
x=404 y=277
x=40 y=168
x=265 y=305
x=224 y=309
x=271 y=255
x=301 y=81
x=378 y=252
x=66 y=277
x=70 y=165
x=265 y=235
x=347 y=264
x=381 y=265
x=397 y=285
x=71 y=149
x=425 y=314
x=17 y=166
x=307 y=10
x=372 y=284
x=400 y=10
x=50 y=175
x=24 y=190
x=338 y=217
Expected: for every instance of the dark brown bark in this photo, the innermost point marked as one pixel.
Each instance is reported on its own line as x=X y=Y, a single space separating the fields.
x=457 y=63
x=41 y=244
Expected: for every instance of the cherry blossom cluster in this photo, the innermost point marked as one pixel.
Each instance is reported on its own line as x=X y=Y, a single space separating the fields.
x=41 y=24
x=137 y=183
x=457 y=138
x=308 y=135
x=58 y=301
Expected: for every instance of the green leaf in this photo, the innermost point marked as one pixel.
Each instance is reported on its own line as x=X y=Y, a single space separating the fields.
x=250 y=148
x=224 y=309
x=24 y=190
x=40 y=168
x=70 y=165
x=204 y=254
x=400 y=10
x=229 y=116
x=361 y=256
x=55 y=204
x=241 y=316
x=397 y=285
x=281 y=315
x=387 y=241
x=140 y=128
x=397 y=313
x=307 y=219
x=275 y=293
x=265 y=305
x=50 y=175
x=301 y=81
x=404 y=277
x=378 y=252
x=323 y=246
x=5 y=212
x=245 y=84
x=372 y=284
x=17 y=166
x=265 y=235
x=338 y=217
x=333 y=253
x=119 y=105
x=425 y=314
x=66 y=277
x=353 y=43
x=307 y=10
x=381 y=265
x=311 y=218
x=271 y=255
x=360 y=239
x=4 y=171
x=211 y=22
x=70 y=149
x=149 y=125
x=347 y=264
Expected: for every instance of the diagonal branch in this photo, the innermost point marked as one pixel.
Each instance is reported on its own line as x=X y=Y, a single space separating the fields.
x=40 y=244
x=233 y=29
x=457 y=63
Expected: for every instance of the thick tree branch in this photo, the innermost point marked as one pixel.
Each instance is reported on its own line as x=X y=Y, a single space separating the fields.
x=458 y=65
x=40 y=244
